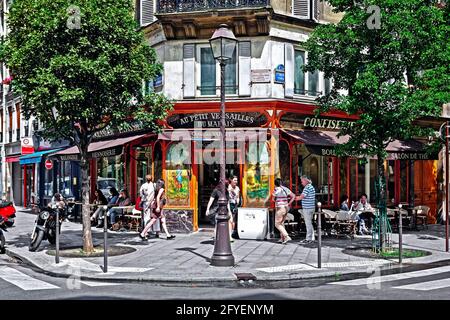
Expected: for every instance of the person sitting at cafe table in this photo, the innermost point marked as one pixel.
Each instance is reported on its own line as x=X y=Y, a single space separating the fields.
x=123 y=201
x=366 y=213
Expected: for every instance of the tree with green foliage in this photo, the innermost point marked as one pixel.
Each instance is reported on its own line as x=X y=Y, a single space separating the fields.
x=389 y=69
x=79 y=67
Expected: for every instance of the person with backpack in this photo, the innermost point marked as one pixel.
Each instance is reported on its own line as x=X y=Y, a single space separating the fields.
x=283 y=200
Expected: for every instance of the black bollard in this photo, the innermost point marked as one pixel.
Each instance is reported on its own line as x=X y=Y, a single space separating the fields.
x=319 y=235
x=400 y=234
x=105 y=240
x=57 y=236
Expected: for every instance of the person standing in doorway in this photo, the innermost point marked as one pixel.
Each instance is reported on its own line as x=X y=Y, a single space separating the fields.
x=235 y=200
x=157 y=211
x=283 y=200
x=308 y=198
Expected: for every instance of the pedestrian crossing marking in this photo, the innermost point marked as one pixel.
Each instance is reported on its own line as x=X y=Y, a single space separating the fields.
x=394 y=277
x=23 y=281
x=303 y=266
x=426 y=286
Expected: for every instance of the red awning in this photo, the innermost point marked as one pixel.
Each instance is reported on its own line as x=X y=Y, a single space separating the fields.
x=317 y=138
x=322 y=142
x=12 y=159
x=100 y=145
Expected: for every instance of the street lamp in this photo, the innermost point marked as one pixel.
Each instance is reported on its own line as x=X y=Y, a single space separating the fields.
x=223 y=43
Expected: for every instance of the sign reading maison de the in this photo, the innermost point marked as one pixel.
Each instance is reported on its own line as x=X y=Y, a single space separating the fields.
x=212 y=120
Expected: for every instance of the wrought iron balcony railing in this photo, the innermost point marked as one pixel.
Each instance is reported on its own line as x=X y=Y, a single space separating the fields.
x=170 y=6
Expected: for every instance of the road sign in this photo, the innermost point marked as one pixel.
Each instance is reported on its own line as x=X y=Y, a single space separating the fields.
x=27 y=145
x=48 y=164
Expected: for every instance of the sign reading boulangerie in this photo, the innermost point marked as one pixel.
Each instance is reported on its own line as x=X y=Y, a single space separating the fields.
x=212 y=120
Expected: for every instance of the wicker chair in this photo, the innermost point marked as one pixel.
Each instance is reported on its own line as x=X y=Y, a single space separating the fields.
x=421 y=214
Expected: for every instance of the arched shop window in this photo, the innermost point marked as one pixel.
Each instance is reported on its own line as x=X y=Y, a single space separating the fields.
x=110 y=173
x=157 y=162
x=143 y=164
x=178 y=174
x=257 y=175
x=284 y=157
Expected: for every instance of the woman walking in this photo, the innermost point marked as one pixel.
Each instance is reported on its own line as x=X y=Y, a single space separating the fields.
x=283 y=201
x=157 y=211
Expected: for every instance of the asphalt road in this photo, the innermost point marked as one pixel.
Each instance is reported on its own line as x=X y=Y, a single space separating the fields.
x=18 y=281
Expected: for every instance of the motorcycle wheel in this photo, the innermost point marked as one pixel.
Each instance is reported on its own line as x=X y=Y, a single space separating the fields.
x=36 y=241
x=2 y=243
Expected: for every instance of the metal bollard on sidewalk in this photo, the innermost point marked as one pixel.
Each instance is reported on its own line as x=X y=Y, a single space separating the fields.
x=319 y=235
x=57 y=237
x=400 y=234
x=105 y=240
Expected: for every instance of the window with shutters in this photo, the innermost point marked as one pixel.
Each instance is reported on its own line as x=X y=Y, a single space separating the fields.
x=209 y=73
x=147 y=12
x=305 y=9
x=327 y=85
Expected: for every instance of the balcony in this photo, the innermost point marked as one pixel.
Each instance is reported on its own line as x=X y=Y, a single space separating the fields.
x=172 y=6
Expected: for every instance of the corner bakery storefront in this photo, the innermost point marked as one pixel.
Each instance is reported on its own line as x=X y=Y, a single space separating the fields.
x=272 y=139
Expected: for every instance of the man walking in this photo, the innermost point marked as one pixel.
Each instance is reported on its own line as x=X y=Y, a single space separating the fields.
x=308 y=198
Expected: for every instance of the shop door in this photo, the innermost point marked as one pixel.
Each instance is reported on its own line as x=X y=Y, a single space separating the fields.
x=425 y=186
x=209 y=177
x=29 y=185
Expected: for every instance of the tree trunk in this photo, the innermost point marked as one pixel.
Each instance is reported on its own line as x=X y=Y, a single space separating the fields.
x=88 y=246
x=381 y=186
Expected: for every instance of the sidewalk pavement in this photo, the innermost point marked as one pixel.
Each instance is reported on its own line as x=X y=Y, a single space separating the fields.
x=186 y=258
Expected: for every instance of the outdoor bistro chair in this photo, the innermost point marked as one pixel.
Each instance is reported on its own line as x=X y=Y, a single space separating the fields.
x=345 y=224
x=291 y=225
x=330 y=221
x=421 y=213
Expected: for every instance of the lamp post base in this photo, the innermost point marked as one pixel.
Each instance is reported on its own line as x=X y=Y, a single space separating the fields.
x=222 y=256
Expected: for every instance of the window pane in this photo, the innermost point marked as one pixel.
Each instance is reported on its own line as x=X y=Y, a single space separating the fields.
x=230 y=75
x=390 y=182
x=373 y=179
x=326 y=184
x=207 y=72
x=110 y=174
x=343 y=177
x=143 y=165
x=177 y=174
x=353 y=192
x=313 y=79
x=284 y=163
x=403 y=180
x=327 y=86
x=299 y=75
x=361 y=177
x=257 y=175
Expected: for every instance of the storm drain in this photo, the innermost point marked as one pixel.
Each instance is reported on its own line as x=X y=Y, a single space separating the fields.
x=245 y=276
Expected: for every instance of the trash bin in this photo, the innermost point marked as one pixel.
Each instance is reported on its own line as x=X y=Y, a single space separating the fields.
x=253 y=223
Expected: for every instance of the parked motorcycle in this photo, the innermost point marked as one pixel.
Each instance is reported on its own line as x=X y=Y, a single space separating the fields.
x=45 y=225
x=7 y=215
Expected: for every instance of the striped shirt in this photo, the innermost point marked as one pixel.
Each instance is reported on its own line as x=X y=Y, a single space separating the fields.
x=281 y=195
x=309 y=201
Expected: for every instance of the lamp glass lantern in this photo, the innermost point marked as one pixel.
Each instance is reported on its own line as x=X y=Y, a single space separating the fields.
x=223 y=43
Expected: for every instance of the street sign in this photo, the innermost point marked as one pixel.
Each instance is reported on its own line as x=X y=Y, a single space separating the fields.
x=260 y=75
x=48 y=164
x=26 y=145
x=279 y=74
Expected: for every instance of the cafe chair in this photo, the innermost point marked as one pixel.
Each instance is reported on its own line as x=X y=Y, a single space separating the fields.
x=291 y=225
x=345 y=225
x=330 y=221
x=421 y=214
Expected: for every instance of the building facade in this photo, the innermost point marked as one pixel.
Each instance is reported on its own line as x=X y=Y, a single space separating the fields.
x=271 y=127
